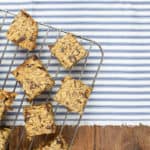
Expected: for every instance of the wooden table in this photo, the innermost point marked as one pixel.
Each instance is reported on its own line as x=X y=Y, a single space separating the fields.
x=98 y=138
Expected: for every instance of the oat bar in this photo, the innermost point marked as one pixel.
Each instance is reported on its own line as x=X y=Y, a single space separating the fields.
x=33 y=77
x=6 y=100
x=39 y=119
x=58 y=143
x=73 y=94
x=68 y=50
x=4 y=134
x=23 y=31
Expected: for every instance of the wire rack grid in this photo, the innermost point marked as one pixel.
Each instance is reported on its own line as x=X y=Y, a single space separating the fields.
x=52 y=66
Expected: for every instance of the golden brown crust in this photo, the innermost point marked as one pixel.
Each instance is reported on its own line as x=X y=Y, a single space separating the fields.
x=68 y=50
x=23 y=31
x=58 y=143
x=73 y=94
x=6 y=100
x=39 y=119
x=33 y=76
x=4 y=134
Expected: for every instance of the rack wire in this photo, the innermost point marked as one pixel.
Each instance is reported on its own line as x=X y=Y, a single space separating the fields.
x=49 y=28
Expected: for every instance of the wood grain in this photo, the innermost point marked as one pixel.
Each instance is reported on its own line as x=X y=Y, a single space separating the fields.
x=94 y=138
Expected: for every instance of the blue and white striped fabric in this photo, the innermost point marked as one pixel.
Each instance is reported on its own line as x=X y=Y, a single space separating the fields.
x=122 y=91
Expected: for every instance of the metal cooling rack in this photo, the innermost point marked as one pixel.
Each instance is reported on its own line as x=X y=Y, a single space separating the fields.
x=91 y=43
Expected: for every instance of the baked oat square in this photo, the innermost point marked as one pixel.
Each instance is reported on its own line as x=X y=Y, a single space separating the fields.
x=6 y=100
x=73 y=94
x=23 y=31
x=4 y=134
x=33 y=77
x=68 y=51
x=39 y=119
x=58 y=143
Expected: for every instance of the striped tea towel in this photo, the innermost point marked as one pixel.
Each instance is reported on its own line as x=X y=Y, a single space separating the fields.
x=122 y=90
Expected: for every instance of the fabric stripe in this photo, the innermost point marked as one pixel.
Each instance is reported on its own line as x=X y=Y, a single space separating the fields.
x=121 y=94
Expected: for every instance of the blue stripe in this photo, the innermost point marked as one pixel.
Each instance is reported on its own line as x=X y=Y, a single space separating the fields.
x=101 y=100
x=93 y=16
x=125 y=44
x=113 y=36
x=98 y=23
x=92 y=2
x=124 y=85
x=124 y=65
x=96 y=57
x=119 y=100
x=40 y=100
x=105 y=43
x=102 y=36
x=77 y=2
x=95 y=92
x=96 y=29
x=100 y=113
x=120 y=93
x=82 y=9
x=112 y=113
x=94 y=51
x=107 y=30
x=93 y=64
x=126 y=71
x=109 y=86
x=91 y=119
x=108 y=78
x=135 y=22
x=100 y=92
x=101 y=85
x=103 y=106
x=46 y=51
x=14 y=3
x=85 y=15
x=93 y=71
x=125 y=51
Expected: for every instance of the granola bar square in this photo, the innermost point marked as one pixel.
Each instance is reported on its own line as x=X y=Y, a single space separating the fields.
x=33 y=77
x=58 y=143
x=39 y=119
x=4 y=134
x=68 y=51
x=23 y=31
x=73 y=94
x=6 y=100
